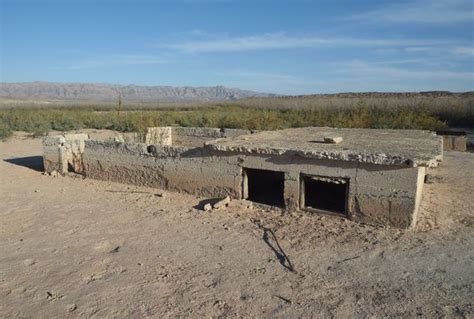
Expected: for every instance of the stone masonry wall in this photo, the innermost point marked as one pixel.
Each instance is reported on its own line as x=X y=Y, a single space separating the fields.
x=189 y=136
x=378 y=194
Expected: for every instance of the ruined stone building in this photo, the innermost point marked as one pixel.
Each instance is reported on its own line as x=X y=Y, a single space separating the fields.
x=365 y=175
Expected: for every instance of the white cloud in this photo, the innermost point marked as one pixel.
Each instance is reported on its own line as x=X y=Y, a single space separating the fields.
x=464 y=51
x=270 y=82
x=270 y=41
x=376 y=70
x=353 y=76
x=117 y=60
x=422 y=11
x=403 y=61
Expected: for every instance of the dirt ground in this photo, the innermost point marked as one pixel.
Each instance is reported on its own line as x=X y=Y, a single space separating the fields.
x=74 y=247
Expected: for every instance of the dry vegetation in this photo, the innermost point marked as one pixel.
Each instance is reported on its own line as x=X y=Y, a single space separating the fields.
x=401 y=111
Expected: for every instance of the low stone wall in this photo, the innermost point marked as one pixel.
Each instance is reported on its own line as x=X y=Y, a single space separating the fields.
x=377 y=194
x=181 y=169
x=189 y=136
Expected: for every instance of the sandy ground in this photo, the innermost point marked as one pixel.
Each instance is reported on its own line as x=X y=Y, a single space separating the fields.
x=73 y=247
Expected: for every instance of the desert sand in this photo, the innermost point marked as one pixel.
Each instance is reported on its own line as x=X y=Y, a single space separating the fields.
x=75 y=247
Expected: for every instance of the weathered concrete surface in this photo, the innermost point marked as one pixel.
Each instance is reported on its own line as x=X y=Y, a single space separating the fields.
x=383 y=195
x=51 y=153
x=62 y=152
x=128 y=163
x=410 y=148
x=454 y=143
x=174 y=168
x=387 y=194
x=75 y=144
x=379 y=195
x=159 y=135
x=197 y=136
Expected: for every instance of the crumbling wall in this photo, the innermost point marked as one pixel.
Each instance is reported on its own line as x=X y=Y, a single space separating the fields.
x=189 y=170
x=197 y=136
x=377 y=194
x=387 y=195
x=63 y=153
x=128 y=163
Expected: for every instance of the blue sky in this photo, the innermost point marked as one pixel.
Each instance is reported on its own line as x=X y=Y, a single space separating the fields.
x=287 y=47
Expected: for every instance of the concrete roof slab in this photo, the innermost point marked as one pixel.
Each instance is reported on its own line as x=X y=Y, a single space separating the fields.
x=382 y=147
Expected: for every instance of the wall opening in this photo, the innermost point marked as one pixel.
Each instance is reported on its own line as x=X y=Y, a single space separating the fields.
x=264 y=186
x=324 y=194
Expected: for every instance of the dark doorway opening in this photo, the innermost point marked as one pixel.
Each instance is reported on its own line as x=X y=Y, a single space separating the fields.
x=325 y=194
x=264 y=186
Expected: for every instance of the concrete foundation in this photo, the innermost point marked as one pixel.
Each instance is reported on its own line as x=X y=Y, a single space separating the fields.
x=380 y=188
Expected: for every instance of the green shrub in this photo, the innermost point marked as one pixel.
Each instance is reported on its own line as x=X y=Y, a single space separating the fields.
x=360 y=114
x=5 y=130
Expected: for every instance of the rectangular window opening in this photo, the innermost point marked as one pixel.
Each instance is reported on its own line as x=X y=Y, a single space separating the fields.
x=324 y=194
x=264 y=186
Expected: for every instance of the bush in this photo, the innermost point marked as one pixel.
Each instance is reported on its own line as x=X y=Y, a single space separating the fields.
x=360 y=115
x=5 y=130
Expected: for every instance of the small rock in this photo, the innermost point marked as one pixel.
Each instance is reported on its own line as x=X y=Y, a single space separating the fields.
x=430 y=179
x=114 y=250
x=207 y=207
x=29 y=262
x=332 y=139
x=71 y=307
x=54 y=173
x=119 y=139
x=222 y=203
x=37 y=191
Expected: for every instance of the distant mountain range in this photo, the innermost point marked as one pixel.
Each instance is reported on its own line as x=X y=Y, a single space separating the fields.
x=110 y=92
x=46 y=91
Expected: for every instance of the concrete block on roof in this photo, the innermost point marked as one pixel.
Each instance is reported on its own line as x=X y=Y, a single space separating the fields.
x=159 y=136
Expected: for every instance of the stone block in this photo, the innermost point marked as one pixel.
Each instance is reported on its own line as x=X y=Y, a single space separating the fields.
x=333 y=139
x=159 y=136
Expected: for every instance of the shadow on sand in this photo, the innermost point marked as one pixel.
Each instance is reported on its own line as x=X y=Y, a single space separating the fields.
x=31 y=162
